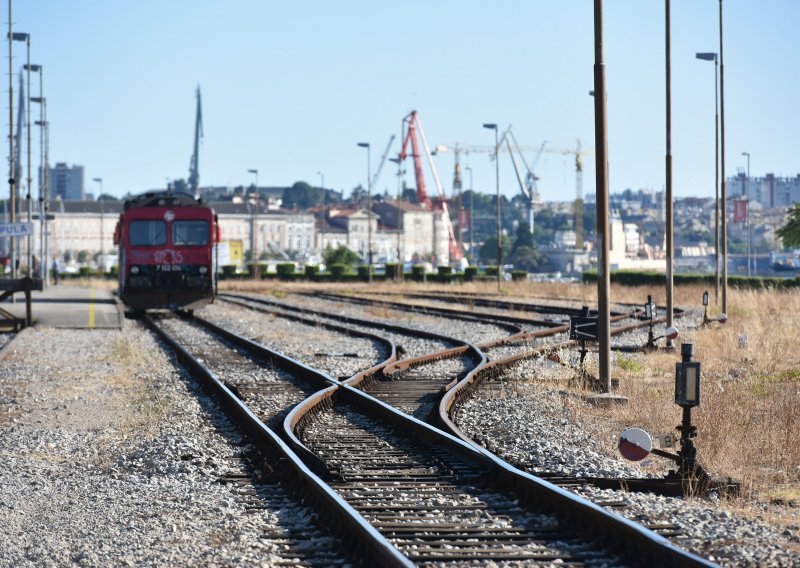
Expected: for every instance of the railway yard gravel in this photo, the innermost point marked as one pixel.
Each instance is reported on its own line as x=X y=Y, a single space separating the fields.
x=92 y=473
x=462 y=330
x=110 y=457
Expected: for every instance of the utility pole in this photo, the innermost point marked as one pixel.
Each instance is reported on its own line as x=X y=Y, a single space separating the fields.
x=724 y=192
x=471 y=207
x=749 y=230
x=11 y=165
x=253 y=224
x=102 y=227
x=670 y=219
x=601 y=161
x=369 y=211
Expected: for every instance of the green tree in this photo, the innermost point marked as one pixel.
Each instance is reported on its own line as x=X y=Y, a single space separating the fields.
x=302 y=196
x=790 y=232
x=339 y=255
x=488 y=251
x=527 y=257
x=524 y=237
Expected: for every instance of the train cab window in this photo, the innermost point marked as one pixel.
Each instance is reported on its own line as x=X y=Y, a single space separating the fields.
x=148 y=233
x=189 y=233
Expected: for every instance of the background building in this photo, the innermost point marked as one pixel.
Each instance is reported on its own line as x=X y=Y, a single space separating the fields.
x=66 y=182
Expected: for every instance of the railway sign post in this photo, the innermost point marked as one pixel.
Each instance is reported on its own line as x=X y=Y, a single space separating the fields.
x=583 y=328
x=635 y=444
x=21 y=229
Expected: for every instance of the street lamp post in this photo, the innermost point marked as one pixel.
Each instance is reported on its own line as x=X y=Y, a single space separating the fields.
x=369 y=211
x=45 y=182
x=711 y=56
x=41 y=101
x=322 y=180
x=253 y=223
x=749 y=229
x=12 y=183
x=19 y=36
x=493 y=126
x=102 y=222
x=724 y=188
x=471 y=204
x=669 y=200
x=400 y=172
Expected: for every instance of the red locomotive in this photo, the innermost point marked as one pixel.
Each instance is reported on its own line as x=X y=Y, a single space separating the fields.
x=167 y=251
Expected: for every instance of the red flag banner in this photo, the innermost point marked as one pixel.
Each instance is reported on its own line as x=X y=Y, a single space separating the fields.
x=739 y=210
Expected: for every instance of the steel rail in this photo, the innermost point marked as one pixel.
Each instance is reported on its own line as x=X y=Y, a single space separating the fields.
x=400 y=329
x=348 y=523
x=641 y=545
x=509 y=323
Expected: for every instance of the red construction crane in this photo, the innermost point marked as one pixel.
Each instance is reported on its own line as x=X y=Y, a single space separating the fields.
x=411 y=124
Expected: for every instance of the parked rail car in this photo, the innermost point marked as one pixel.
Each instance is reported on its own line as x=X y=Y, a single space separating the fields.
x=167 y=251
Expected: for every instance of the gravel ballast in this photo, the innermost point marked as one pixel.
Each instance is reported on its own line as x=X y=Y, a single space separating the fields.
x=109 y=456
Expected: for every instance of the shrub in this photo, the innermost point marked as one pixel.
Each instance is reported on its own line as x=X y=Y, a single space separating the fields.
x=519 y=275
x=337 y=270
x=445 y=273
x=649 y=278
x=311 y=271
x=229 y=271
x=364 y=272
x=86 y=272
x=470 y=272
x=393 y=270
x=418 y=273
x=285 y=270
x=490 y=271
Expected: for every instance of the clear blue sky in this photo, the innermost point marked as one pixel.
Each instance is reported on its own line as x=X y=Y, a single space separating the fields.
x=289 y=88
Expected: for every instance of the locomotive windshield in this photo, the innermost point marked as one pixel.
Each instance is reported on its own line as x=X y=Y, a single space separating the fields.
x=148 y=233
x=191 y=233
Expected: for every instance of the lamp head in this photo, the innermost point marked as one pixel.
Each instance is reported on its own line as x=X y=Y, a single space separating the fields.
x=364 y=144
x=490 y=125
x=707 y=56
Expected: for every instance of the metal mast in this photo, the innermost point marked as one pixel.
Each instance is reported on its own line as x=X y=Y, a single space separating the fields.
x=194 y=165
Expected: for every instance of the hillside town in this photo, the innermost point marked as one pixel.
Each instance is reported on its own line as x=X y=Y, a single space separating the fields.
x=300 y=223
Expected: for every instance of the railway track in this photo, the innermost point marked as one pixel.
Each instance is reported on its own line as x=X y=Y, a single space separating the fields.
x=466 y=481
x=440 y=500
x=326 y=530
x=510 y=324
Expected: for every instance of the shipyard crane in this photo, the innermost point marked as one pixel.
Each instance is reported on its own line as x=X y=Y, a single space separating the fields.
x=377 y=173
x=412 y=124
x=194 y=164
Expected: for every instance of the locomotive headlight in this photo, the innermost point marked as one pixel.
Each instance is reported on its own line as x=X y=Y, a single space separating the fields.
x=134 y=270
x=203 y=269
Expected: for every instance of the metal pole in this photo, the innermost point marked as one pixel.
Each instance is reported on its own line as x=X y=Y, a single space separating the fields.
x=601 y=167
x=28 y=127
x=747 y=212
x=670 y=220
x=102 y=232
x=499 y=228
x=471 y=203
x=369 y=215
x=723 y=191
x=716 y=180
x=11 y=182
x=399 y=258
x=47 y=242
x=253 y=227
